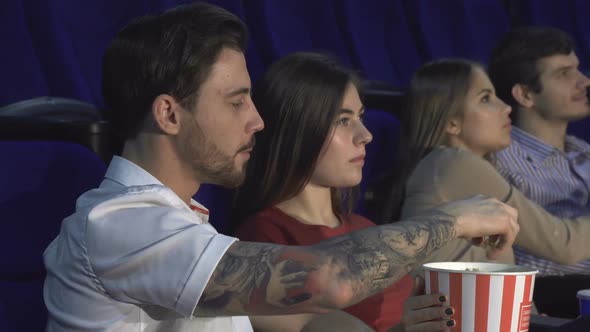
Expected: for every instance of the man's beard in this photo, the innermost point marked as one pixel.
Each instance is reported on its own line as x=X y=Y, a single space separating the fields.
x=209 y=163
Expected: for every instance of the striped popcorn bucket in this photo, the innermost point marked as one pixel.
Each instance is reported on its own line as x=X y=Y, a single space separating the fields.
x=487 y=297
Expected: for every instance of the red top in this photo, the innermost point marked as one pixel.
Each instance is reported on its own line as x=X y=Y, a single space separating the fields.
x=380 y=311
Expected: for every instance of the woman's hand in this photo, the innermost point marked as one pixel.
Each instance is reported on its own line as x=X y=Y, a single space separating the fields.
x=425 y=313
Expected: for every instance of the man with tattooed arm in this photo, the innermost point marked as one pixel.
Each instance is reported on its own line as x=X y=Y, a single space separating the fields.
x=139 y=253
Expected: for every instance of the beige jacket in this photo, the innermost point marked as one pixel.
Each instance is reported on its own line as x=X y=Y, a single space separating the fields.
x=448 y=174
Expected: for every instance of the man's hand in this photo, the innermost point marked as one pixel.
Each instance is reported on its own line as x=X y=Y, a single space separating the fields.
x=485 y=221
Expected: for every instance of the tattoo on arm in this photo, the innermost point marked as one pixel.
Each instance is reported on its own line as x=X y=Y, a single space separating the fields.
x=377 y=256
x=258 y=278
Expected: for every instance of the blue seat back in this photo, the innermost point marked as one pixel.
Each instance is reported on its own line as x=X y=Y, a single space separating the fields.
x=39 y=185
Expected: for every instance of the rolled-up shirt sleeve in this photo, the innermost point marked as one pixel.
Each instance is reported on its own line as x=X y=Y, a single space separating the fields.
x=159 y=254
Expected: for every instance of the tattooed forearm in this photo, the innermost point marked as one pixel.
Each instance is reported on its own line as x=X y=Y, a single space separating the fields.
x=257 y=278
x=375 y=257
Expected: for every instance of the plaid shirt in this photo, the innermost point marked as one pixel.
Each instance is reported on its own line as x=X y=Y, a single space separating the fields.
x=557 y=180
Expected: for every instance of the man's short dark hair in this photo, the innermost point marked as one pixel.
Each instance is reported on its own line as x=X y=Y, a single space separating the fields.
x=515 y=59
x=170 y=53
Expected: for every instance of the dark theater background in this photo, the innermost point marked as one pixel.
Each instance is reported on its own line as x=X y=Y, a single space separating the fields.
x=51 y=124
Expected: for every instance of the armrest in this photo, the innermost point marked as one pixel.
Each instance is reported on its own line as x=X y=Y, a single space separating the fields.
x=546 y=323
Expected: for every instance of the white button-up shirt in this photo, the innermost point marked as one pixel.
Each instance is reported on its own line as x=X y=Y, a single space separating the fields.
x=133 y=257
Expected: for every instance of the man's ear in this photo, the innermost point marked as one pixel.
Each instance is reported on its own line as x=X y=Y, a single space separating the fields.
x=167 y=114
x=453 y=126
x=523 y=96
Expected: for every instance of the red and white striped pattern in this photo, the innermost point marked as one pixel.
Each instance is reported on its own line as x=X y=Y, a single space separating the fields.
x=500 y=303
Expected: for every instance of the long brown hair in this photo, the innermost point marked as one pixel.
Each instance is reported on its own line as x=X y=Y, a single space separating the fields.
x=299 y=98
x=436 y=94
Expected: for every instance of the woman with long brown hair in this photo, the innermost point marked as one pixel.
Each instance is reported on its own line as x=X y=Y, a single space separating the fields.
x=300 y=180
